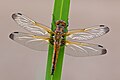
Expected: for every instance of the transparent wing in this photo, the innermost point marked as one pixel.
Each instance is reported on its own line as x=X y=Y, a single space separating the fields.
x=80 y=49
x=38 y=43
x=30 y=25
x=88 y=33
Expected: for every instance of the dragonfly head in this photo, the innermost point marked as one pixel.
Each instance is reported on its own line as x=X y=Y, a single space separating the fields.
x=60 y=24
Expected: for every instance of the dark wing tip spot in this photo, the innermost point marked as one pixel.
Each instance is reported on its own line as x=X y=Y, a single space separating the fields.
x=16 y=32
x=102 y=25
x=11 y=36
x=14 y=16
x=104 y=51
x=100 y=46
x=19 y=13
x=107 y=29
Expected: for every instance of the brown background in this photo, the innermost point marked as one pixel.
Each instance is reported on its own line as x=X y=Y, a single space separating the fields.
x=20 y=63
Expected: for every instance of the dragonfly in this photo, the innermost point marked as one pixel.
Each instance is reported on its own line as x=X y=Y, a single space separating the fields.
x=39 y=36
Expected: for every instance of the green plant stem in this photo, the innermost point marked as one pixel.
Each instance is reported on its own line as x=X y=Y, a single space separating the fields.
x=61 y=12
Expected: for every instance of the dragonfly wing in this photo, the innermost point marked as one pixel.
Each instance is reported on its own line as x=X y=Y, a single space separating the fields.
x=88 y=33
x=80 y=49
x=38 y=43
x=30 y=25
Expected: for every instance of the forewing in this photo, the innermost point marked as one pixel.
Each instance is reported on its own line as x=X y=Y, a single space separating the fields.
x=38 y=43
x=80 y=49
x=30 y=25
x=87 y=33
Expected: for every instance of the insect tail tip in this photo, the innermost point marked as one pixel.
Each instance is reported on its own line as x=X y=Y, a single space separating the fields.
x=52 y=72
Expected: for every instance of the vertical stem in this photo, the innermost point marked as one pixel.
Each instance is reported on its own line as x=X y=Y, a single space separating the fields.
x=61 y=12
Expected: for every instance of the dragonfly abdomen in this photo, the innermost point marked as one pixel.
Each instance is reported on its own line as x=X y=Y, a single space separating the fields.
x=55 y=56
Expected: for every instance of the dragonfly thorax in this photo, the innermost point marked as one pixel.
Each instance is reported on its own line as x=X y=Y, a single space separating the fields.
x=59 y=32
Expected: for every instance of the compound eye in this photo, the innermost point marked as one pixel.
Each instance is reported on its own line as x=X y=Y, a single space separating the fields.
x=63 y=24
x=58 y=22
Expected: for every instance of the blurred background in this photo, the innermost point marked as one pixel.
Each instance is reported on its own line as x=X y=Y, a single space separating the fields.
x=20 y=63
